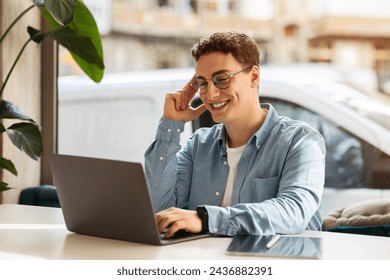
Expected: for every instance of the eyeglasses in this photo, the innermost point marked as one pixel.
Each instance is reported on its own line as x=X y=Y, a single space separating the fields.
x=221 y=81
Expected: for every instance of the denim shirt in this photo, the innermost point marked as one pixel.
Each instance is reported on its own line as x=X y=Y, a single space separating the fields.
x=279 y=183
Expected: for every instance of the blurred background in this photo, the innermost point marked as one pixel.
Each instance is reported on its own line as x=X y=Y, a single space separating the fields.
x=323 y=62
x=154 y=34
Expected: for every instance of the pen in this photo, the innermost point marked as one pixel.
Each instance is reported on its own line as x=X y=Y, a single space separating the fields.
x=273 y=241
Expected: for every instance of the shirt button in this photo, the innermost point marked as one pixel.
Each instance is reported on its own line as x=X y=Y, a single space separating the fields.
x=225 y=162
x=178 y=130
x=215 y=229
x=217 y=193
x=169 y=130
x=161 y=158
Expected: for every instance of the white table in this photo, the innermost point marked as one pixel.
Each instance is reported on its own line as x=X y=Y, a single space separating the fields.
x=30 y=232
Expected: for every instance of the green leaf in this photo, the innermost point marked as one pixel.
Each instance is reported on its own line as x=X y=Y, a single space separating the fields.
x=36 y=35
x=8 y=165
x=61 y=10
x=26 y=137
x=85 y=26
x=80 y=46
x=11 y=111
x=3 y=186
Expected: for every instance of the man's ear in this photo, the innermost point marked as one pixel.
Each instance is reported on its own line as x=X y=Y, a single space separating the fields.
x=255 y=79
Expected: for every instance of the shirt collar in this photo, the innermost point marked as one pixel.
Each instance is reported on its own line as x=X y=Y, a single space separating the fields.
x=270 y=121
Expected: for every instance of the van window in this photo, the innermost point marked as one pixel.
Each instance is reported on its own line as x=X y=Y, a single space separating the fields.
x=351 y=162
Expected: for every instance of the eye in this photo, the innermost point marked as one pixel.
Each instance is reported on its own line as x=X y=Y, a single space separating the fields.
x=201 y=83
x=221 y=79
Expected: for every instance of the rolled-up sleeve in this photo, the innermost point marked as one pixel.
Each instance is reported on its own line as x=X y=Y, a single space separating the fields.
x=161 y=163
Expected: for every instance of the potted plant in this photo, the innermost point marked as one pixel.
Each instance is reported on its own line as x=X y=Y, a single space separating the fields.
x=72 y=26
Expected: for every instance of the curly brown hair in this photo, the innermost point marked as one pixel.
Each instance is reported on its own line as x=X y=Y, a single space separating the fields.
x=243 y=48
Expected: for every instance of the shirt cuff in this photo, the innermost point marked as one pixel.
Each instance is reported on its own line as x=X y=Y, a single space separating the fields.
x=169 y=130
x=219 y=221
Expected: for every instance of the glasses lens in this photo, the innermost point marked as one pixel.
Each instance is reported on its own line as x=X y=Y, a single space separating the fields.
x=221 y=81
x=203 y=85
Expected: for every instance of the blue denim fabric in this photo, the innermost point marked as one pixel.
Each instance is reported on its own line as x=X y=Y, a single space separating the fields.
x=279 y=184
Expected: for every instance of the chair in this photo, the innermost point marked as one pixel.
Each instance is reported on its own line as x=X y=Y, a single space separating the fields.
x=371 y=217
x=205 y=120
x=45 y=195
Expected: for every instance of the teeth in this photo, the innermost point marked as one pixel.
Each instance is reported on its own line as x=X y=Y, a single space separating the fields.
x=219 y=105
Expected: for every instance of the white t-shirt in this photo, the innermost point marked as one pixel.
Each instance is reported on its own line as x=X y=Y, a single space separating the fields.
x=233 y=155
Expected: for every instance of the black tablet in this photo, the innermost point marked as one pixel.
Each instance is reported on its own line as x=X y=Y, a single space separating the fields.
x=276 y=246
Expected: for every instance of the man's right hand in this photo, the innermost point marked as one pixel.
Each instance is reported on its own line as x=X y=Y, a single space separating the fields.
x=177 y=104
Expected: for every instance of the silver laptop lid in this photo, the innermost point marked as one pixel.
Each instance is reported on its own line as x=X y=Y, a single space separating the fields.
x=105 y=198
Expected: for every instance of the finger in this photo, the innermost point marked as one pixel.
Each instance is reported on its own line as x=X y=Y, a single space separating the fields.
x=193 y=87
x=190 y=89
x=188 y=86
x=165 y=218
x=170 y=100
x=158 y=217
x=172 y=229
x=186 y=94
x=177 y=99
x=183 y=103
x=162 y=221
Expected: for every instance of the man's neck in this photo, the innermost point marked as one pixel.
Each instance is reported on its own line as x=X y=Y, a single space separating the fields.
x=239 y=132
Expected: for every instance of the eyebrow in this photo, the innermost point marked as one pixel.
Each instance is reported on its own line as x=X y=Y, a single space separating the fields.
x=214 y=74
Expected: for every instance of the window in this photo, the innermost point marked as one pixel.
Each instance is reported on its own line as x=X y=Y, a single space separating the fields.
x=350 y=161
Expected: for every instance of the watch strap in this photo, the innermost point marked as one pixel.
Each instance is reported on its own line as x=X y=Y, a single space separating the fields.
x=203 y=215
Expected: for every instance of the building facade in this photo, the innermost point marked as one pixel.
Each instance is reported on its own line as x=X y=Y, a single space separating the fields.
x=151 y=34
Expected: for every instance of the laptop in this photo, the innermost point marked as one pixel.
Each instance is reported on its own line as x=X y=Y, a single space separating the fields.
x=108 y=198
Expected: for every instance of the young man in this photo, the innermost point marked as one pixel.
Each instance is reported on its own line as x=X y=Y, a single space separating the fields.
x=253 y=173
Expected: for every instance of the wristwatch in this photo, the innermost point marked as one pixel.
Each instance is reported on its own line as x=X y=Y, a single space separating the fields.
x=203 y=215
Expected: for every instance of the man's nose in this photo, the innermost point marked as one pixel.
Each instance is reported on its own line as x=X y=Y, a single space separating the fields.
x=212 y=92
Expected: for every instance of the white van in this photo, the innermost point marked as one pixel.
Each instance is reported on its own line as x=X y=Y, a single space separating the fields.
x=117 y=118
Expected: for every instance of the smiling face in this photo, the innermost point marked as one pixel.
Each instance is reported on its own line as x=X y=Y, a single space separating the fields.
x=234 y=104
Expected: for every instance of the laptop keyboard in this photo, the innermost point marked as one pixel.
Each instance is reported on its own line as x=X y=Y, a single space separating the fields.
x=179 y=234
